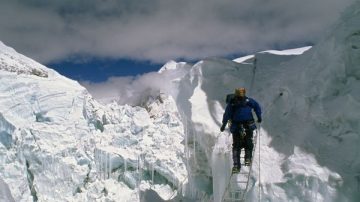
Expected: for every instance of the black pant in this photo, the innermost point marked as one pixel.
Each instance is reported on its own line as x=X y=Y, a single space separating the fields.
x=240 y=141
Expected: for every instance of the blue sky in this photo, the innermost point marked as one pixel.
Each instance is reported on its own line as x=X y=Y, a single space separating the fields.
x=128 y=38
x=99 y=70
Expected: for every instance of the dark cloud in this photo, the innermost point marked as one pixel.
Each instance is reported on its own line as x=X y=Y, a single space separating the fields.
x=160 y=30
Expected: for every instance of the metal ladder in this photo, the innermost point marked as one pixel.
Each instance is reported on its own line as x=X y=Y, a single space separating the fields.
x=239 y=182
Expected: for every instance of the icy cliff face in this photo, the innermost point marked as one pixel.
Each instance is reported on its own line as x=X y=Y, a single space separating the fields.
x=310 y=135
x=58 y=144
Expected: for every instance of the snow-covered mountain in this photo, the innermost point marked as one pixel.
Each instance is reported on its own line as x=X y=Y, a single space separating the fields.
x=59 y=144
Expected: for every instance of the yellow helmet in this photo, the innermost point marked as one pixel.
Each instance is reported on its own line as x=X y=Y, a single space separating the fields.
x=240 y=92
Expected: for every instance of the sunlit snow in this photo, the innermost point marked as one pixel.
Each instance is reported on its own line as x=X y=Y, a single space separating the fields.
x=57 y=143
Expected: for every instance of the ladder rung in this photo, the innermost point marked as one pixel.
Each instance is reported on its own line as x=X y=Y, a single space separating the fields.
x=245 y=172
x=235 y=194
x=233 y=199
x=236 y=191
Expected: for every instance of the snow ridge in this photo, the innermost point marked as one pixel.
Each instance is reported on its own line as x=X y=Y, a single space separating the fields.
x=12 y=61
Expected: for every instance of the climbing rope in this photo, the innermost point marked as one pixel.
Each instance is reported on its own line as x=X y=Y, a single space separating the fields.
x=253 y=76
x=259 y=134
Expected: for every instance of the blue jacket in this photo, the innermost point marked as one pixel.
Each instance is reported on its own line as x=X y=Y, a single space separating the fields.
x=240 y=110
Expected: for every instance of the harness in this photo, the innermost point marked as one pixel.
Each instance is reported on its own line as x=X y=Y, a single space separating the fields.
x=247 y=125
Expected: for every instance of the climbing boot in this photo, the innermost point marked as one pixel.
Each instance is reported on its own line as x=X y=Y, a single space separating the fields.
x=235 y=169
x=247 y=162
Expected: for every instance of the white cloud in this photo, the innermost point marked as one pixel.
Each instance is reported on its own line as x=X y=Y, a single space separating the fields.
x=160 y=30
x=135 y=90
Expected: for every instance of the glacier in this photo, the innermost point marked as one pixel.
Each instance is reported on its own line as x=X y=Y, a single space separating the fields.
x=58 y=143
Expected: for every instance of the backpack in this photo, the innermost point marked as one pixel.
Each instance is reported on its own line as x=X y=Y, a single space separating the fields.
x=229 y=98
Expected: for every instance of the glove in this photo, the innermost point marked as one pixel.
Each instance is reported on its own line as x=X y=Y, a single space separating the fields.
x=222 y=128
x=259 y=120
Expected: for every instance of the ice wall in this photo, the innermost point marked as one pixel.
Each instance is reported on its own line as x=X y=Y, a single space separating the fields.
x=202 y=101
x=311 y=112
x=58 y=144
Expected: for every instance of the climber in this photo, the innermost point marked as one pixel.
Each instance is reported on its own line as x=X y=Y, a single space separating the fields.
x=239 y=112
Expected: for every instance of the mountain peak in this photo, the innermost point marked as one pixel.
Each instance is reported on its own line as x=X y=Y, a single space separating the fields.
x=171 y=65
